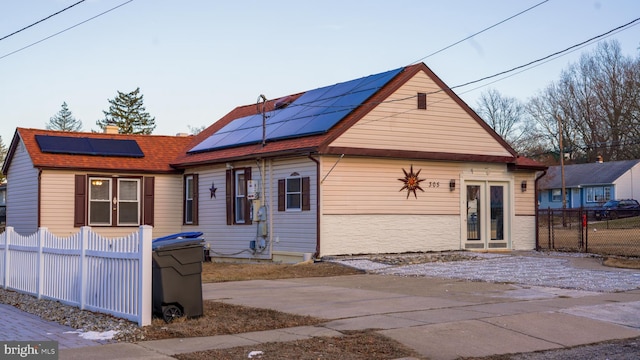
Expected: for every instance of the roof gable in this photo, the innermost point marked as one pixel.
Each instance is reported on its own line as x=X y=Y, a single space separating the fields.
x=442 y=125
x=586 y=174
x=320 y=143
x=114 y=152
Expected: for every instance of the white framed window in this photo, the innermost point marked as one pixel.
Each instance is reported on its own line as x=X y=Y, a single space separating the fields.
x=294 y=193
x=556 y=195
x=188 y=199
x=240 y=197
x=598 y=194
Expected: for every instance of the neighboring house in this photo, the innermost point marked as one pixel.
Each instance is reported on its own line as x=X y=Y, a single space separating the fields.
x=389 y=163
x=589 y=185
x=114 y=183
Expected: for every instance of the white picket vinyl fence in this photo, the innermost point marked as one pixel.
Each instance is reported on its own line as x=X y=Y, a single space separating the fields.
x=107 y=275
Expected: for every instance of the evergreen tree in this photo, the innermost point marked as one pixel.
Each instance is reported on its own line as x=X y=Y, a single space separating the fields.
x=127 y=111
x=64 y=120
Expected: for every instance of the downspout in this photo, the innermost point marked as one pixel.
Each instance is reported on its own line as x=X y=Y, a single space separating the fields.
x=544 y=172
x=317 y=205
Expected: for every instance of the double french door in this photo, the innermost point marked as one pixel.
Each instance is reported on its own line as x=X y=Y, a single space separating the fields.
x=487 y=215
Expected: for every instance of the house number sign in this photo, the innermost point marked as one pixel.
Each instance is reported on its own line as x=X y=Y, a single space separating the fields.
x=412 y=182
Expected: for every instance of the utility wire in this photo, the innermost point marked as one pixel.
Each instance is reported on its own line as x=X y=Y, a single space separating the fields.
x=67 y=29
x=480 y=32
x=548 y=56
x=39 y=21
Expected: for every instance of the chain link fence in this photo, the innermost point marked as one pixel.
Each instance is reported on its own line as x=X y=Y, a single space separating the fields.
x=590 y=231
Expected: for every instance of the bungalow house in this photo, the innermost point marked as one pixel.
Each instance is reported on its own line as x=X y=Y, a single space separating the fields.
x=114 y=183
x=591 y=184
x=389 y=163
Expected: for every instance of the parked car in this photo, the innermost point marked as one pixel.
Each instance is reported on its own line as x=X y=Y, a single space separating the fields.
x=614 y=209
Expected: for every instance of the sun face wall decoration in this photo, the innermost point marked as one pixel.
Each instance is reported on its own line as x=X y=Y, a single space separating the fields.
x=411 y=182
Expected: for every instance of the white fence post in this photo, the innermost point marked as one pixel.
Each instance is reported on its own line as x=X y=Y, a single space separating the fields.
x=40 y=261
x=8 y=232
x=84 y=269
x=144 y=283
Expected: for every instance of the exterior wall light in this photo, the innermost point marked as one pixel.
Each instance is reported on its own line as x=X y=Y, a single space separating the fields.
x=523 y=185
x=452 y=184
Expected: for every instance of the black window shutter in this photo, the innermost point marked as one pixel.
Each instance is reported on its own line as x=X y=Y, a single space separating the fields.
x=281 y=195
x=149 y=201
x=306 y=196
x=80 y=201
x=247 y=208
x=229 y=192
x=196 y=195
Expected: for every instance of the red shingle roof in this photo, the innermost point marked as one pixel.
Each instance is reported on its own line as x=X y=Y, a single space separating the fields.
x=159 y=152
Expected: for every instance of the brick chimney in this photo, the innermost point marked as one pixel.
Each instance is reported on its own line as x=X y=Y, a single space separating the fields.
x=111 y=129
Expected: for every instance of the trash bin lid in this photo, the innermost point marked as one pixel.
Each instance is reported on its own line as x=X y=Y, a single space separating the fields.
x=182 y=235
x=176 y=243
x=178 y=240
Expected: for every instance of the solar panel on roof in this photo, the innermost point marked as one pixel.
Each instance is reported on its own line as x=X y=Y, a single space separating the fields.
x=314 y=112
x=89 y=146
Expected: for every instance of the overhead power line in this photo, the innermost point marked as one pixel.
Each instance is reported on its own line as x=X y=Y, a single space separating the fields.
x=548 y=56
x=67 y=29
x=39 y=21
x=480 y=32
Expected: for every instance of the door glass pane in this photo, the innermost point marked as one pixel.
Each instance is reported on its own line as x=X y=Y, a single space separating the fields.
x=497 y=212
x=128 y=214
x=100 y=213
x=473 y=212
x=128 y=190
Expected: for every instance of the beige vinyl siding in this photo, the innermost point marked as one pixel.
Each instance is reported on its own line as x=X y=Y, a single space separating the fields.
x=57 y=202
x=525 y=201
x=22 y=193
x=57 y=205
x=370 y=234
x=358 y=185
x=167 y=213
x=442 y=127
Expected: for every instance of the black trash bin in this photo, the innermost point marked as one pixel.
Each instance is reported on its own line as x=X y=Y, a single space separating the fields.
x=177 y=275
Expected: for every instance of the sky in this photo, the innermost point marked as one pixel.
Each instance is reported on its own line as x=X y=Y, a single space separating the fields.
x=196 y=60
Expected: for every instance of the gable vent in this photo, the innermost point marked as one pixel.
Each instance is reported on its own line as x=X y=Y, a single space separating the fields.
x=422 y=101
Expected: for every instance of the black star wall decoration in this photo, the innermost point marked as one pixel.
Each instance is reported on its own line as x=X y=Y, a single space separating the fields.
x=213 y=189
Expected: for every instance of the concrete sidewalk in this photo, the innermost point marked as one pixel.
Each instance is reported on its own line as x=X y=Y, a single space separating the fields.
x=439 y=318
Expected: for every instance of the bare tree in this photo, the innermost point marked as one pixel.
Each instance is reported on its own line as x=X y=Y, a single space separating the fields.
x=598 y=102
x=504 y=114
